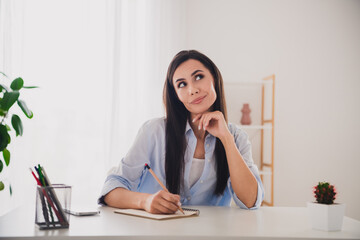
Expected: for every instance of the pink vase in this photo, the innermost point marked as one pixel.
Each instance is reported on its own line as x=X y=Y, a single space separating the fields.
x=245 y=119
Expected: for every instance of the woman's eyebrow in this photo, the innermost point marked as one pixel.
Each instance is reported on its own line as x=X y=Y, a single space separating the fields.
x=195 y=72
x=180 y=79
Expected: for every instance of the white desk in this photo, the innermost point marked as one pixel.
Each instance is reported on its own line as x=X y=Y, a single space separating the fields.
x=213 y=223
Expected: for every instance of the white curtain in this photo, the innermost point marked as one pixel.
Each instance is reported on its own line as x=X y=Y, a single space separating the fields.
x=11 y=36
x=11 y=63
x=146 y=36
x=100 y=66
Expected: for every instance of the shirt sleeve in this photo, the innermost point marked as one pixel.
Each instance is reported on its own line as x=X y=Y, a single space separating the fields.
x=128 y=174
x=243 y=144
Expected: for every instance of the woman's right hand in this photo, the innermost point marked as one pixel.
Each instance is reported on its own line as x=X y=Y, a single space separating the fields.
x=162 y=202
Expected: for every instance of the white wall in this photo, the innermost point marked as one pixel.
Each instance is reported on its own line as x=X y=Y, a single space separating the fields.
x=313 y=48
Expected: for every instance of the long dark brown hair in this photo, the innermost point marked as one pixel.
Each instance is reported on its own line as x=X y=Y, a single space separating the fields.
x=176 y=119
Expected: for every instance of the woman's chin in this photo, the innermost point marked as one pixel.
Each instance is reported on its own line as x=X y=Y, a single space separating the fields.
x=198 y=111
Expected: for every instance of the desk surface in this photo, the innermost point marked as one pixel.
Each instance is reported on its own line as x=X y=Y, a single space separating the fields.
x=213 y=223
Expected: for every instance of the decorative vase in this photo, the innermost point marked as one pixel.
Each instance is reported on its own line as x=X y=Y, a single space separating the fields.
x=245 y=119
x=326 y=217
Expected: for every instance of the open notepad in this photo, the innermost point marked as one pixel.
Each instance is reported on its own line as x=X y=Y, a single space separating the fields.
x=141 y=213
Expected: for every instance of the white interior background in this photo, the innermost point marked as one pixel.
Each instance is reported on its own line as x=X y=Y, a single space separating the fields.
x=100 y=66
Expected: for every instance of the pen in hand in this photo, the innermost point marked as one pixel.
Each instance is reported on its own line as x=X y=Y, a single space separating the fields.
x=162 y=185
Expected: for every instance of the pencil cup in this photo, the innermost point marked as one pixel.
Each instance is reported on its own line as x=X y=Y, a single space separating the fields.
x=50 y=205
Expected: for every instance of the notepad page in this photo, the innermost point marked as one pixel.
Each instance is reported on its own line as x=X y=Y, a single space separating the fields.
x=144 y=214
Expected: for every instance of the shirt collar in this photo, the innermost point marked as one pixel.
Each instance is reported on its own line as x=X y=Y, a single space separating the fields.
x=188 y=129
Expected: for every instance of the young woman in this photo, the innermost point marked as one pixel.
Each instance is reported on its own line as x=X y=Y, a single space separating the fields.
x=200 y=158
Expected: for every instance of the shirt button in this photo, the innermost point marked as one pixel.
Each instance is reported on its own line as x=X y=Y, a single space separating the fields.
x=207 y=145
x=201 y=181
x=188 y=198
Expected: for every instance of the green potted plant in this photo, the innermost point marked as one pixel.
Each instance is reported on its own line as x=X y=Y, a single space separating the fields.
x=8 y=97
x=324 y=213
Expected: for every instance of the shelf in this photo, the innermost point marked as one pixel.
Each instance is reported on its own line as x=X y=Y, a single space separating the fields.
x=254 y=126
x=249 y=82
x=265 y=173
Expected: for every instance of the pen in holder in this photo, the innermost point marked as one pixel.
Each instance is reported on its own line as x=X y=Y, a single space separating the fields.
x=50 y=204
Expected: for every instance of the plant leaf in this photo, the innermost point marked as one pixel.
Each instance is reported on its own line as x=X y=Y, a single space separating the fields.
x=10 y=189
x=3 y=74
x=2 y=112
x=4 y=137
x=9 y=99
x=5 y=87
x=8 y=138
x=17 y=84
x=2 y=186
x=29 y=87
x=1 y=165
x=17 y=124
x=25 y=109
x=6 y=155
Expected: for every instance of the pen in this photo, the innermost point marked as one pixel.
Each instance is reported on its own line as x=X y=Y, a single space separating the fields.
x=158 y=180
x=43 y=204
x=50 y=203
x=37 y=180
x=41 y=177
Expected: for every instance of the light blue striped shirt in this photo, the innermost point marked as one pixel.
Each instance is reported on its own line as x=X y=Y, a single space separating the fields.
x=149 y=147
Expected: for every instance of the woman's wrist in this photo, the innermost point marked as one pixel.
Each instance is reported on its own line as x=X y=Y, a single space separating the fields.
x=227 y=139
x=143 y=200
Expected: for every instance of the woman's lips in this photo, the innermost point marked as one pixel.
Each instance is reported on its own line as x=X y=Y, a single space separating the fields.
x=198 y=100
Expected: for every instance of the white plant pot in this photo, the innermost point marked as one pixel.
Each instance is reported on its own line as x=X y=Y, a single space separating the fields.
x=326 y=217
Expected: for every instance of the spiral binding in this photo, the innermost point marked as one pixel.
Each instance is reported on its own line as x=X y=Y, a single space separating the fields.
x=192 y=210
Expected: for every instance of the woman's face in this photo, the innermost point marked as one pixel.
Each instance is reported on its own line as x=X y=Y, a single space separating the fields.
x=194 y=85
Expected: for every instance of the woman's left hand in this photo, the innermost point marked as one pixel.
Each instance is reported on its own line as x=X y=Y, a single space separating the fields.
x=214 y=123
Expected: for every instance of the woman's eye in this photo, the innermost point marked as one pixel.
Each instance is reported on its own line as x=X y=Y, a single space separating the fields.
x=198 y=77
x=182 y=84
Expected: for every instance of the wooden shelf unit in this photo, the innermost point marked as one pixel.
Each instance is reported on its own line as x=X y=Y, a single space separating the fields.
x=272 y=123
x=266 y=124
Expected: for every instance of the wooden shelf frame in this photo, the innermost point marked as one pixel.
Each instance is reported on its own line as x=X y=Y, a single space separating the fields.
x=254 y=126
x=265 y=168
x=269 y=79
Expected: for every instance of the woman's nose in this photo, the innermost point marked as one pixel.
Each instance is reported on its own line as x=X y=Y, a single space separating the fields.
x=193 y=90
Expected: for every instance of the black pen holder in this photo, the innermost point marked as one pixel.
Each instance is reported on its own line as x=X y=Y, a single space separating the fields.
x=50 y=205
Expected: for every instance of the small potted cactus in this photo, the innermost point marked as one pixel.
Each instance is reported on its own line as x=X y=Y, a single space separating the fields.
x=324 y=213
